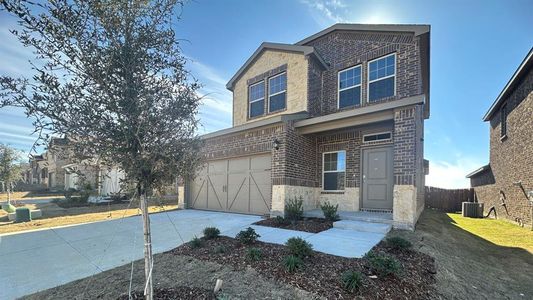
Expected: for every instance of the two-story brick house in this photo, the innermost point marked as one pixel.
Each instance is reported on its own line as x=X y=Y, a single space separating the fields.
x=337 y=117
x=505 y=183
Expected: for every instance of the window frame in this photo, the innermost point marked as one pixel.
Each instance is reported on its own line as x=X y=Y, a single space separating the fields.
x=360 y=85
x=256 y=100
x=503 y=121
x=336 y=171
x=277 y=93
x=368 y=81
x=377 y=133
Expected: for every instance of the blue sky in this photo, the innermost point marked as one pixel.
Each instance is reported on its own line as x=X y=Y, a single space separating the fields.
x=475 y=48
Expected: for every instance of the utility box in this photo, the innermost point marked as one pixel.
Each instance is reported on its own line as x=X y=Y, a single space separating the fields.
x=22 y=215
x=473 y=209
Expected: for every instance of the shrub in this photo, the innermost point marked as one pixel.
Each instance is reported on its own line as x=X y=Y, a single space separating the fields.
x=220 y=249
x=248 y=236
x=281 y=220
x=294 y=209
x=383 y=264
x=292 y=263
x=299 y=247
x=398 y=243
x=254 y=254
x=211 y=233
x=330 y=211
x=352 y=280
x=196 y=242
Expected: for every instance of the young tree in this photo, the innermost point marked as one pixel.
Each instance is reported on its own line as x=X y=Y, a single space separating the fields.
x=111 y=78
x=10 y=169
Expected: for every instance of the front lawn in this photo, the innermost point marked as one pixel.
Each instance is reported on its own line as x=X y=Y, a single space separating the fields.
x=54 y=215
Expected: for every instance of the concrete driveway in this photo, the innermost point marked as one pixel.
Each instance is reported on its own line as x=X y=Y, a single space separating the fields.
x=38 y=260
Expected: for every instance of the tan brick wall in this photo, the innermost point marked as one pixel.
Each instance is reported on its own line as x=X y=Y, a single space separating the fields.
x=297 y=66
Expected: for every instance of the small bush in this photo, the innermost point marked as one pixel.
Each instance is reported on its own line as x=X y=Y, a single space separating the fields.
x=294 y=209
x=196 y=242
x=220 y=249
x=211 y=233
x=383 y=264
x=254 y=254
x=398 y=243
x=292 y=263
x=281 y=220
x=248 y=236
x=299 y=247
x=330 y=211
x=352 y=280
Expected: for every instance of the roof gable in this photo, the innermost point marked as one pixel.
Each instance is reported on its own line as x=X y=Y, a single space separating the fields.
x=305 y=50
x=522 y=70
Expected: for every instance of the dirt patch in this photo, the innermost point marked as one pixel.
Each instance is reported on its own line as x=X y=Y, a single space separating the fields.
x=469 y=266
x=179 y=293
x=313 y=225
x=322 y=273
x=172 y=271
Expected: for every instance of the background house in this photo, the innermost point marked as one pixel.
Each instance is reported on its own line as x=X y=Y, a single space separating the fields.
x=506 y=181
x=336 y=117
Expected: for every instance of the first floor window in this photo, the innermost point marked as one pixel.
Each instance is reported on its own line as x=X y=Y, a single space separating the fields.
x=334 y=171
x=277 y=92
x=349 y=87
x=382 y=78
x=257 y=99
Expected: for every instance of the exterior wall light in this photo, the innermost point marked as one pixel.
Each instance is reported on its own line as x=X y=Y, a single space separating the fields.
x=276 y=144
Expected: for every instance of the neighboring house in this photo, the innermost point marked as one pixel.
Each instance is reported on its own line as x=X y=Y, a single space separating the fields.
x=46 y=169
x=105 y=181
x=505 y=182
x=337 y=117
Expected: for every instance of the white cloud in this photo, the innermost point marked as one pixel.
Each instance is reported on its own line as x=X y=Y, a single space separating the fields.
x=451 y=175
x=216 y=109
x=326 y=12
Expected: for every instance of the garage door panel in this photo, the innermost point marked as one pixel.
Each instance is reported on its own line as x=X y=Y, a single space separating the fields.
x=238 y=192
x=216 y=195
x=198 y=192
x=238 y=185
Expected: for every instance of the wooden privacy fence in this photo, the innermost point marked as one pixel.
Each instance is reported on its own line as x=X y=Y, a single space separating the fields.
x=447 y=200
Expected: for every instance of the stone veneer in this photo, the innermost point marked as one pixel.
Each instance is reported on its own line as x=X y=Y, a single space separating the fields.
x=269 y=63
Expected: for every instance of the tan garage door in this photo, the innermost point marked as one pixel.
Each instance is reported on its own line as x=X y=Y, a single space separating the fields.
x=236 y=185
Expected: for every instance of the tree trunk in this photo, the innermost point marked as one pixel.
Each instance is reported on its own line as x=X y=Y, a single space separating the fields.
x=8 y=194
x=148 y=264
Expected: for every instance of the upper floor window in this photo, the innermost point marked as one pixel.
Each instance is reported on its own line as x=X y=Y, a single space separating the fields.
x=503 y=113
x=277 y=92
x=349 y=87
x=257 y=99
x=334 y=171
x=382 y=77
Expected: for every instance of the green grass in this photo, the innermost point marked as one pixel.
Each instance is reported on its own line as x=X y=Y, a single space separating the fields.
x=499 y=232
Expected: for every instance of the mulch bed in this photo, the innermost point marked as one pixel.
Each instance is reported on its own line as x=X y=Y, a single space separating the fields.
x=322 y=273
x=179 y=293
x=313 y=225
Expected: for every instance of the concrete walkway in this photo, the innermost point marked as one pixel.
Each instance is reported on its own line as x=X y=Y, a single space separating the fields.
x=38 y=260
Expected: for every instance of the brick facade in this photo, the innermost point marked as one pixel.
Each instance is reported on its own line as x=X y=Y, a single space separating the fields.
x=510 y=157
x=342 y=49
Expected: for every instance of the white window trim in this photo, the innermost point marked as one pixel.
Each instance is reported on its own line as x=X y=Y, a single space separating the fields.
x=377 y=133
x=336 y=171
x=256 y=100
x=280 y=92
x=339 y=90
x=368 y=81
